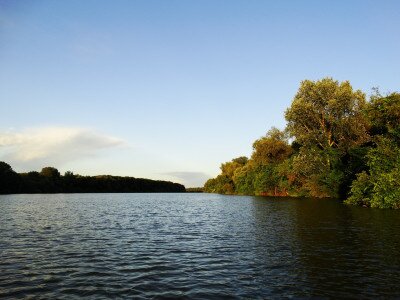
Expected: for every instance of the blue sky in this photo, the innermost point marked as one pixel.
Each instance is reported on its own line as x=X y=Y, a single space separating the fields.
x=171 y=89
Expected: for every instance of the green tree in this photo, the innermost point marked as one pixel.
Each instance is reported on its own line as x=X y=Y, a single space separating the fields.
x=244 y=179
x=327 y=114
x=272 y=148
x=230 y=167
x=223 y=183
x=268 y=153
x=327 y=119
x=384 y=115
x=261 y=174
x=380 y=186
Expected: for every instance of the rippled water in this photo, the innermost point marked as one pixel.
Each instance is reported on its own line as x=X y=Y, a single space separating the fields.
x=194 y=246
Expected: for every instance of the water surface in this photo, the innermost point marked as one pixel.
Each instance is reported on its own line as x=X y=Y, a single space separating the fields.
x=195 y=246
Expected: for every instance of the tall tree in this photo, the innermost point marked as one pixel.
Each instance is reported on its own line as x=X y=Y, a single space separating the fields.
x=327 y=119
x=327 y=114
x=50 y=172
x=379 y=185
x=9 y=180
x=384 y=115
x=223 y=183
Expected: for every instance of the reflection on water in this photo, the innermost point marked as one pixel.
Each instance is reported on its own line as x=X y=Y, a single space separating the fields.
x=194 y=246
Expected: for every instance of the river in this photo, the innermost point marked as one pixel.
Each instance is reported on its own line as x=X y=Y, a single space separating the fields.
x=195 y=246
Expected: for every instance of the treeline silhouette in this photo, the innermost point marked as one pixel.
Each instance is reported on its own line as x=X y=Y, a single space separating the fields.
x=49 y=180
x=195 y=190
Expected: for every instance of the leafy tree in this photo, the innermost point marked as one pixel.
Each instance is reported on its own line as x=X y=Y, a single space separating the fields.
x=230 y=167
x=259 y=175
x=318 y=173
x=33 y=182
x=340 y=142
x=327 y=114
x=384 y=115
x=272 y=148
x=268 y=153
x=266 y=180
x=69 y=174
x=50 y=172
x=52 y=178
x=244 y=179
x=352 y=163
x=326 y=118
x=380 y=186
x=223 y=183
x=9 y=180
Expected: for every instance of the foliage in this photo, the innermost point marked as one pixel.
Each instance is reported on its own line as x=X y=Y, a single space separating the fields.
x=258 y=176
x=342 y=146
x=222 y=184
x=244 y=179
x=380 y=187
x=9 y=180
x=327 y=114
x=351 y=164
x=272 y=148
x=194 y=190
x=50 y=172
x=384 y=115
x=326 y=118
x=49 y=180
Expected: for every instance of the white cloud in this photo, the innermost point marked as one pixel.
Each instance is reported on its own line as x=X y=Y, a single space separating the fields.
x=190 y=179
x=38 y=147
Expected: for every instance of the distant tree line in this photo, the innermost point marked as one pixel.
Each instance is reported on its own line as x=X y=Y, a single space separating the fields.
x=49 y=180
x=335 y=144
x=195 y=190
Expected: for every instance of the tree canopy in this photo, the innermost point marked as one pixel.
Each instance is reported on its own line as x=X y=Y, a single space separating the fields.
x=327 y=114
x=342 y=146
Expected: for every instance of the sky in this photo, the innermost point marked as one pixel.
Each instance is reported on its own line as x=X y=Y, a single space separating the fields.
x=171 y=89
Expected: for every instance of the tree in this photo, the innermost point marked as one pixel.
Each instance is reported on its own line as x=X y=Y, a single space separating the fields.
x=9 y=180
x=230 y=167
x=261 y=174
x=327 y=119
x=50 y=172
x=69 y=174
x=379 y=186
x=224 y=183
x=269 y=152
x=50 y=181
x=244 y=179
x=384 y=115
x=272 y=148
x=327 y=114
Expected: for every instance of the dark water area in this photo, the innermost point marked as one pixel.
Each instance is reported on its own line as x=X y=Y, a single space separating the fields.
x=195 y=246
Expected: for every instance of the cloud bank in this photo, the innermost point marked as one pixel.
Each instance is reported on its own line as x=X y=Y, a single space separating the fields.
x=190 y=179
x=55 y=146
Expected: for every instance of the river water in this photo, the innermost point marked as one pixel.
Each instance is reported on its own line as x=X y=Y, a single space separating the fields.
x=195 y=246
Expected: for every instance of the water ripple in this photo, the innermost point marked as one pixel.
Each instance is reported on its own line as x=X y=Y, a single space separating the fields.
x=194 y=246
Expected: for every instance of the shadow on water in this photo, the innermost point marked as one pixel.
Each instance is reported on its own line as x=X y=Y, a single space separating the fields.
x=331 y=249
